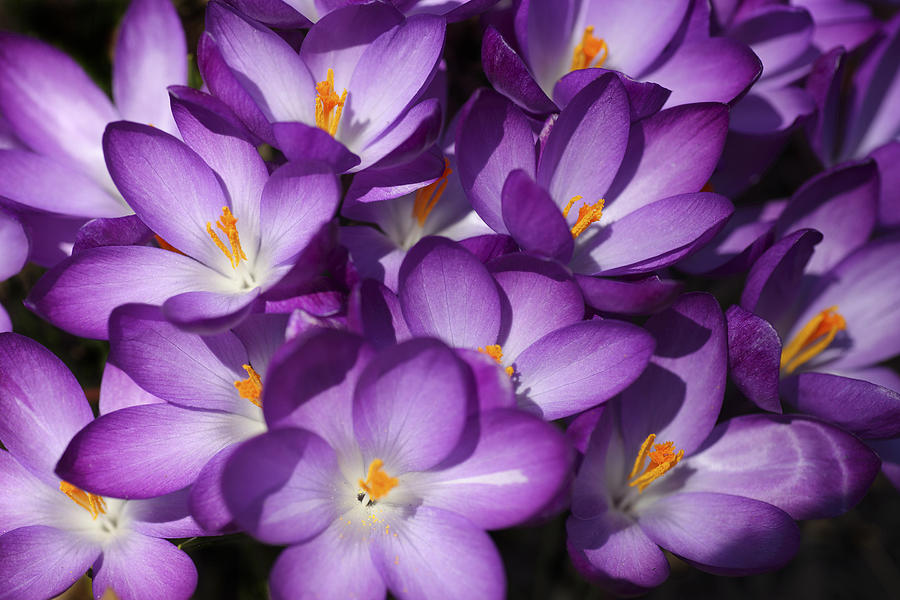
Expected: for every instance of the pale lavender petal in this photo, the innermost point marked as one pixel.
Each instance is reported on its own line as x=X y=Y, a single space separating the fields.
x=118 y=231
x=533 y=219
x=137 y=567
x=208 y=313
x=406 y=137
x=629 y=296
x=166 y=516
x=550 y=27
x=118 y=390
x=40 y=562
x=300 y=141
x=15 y=245
x=207 y=500
x=43 y=501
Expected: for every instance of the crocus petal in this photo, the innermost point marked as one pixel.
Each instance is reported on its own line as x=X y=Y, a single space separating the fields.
x=503 y=454
x=533 y=219
x=374 y=312
x=806 y=468
x=43 y=502
x=151 y=54
x=164 y=516
x=34 y=181
x=493 y=139
x=407 y=137
x=118 y=390
x=748 y=233
x=137 y=567
x=722 y=534
x=612 y=551
x=300 y=141
x=587 y=143
x=331 y=561
x=850 y=190
x=861 y=407
x=150 y=450
x=118 y=231
x=15 y=245
x=493 y=386
x=889 y=200
x=208 y=313
x=549 y=30
x=754 y=357
x=679 y=396
x=446 y=292
x=779 y=35
x=644 y=98
x=410 y=405
x=541 y=296
x=508 y=74
x=579 y=366
x=280 y=485
x=42 y=404
x=439 y=555
x=207 y=500
x=629 y=297
x=652 y=237
x=40 y=562
x=672 y=152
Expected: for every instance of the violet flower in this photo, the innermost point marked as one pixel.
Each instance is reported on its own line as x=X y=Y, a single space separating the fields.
x=16 y=248
x=662 y=41
x=355 y=95
x=52 y=531
x=238 y=232
x=518 y=319
x=659 y=473
x=302 y=13
x=58 y=114
x=383 y=472
x=604 y=195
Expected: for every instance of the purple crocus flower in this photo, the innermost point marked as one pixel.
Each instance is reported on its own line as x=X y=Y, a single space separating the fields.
x=51 y=531
x=525 y=315
x=383 y=472
x=663 y=41
x=659 y=473
x=604 y=195
x=58 y=115
x=15 y=245
x=355 y=95
x=302 y=13
x=209 y=391
x=817 y=335
x=239 y=233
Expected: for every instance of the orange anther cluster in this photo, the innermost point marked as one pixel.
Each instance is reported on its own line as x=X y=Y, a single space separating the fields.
x=428 y=196
x=90 y=502
x=662 y=458
x=377 y=483
x=328 y=104
x=810 y=341
x=496 y=352
x=587 y=214
x=227 y=223
x=250 y=388
x=588 y=49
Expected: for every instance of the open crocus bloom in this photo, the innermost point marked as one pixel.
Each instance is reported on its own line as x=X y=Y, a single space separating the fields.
x=604 y=195
x=51 y=531
x=818 y=339
x=663 y=41
x=383 y=472
x=352 y=105
x=524 y=314
x=58 y=114
x=233 y=232
x=300 y=13
x=659 y=473
x=204 y=407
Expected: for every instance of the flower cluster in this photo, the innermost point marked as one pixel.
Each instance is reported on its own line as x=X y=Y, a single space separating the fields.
x=350 y=316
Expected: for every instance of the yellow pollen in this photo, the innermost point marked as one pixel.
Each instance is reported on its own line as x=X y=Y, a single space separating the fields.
x=587 y=214
x=496 y=352
x=329 y=105
x=810 y=341
x=588 y=49
x=377 y=483
x=90 y=502
x=250 y=388
x=428 y=196
x=227 y=223
x=662 y=458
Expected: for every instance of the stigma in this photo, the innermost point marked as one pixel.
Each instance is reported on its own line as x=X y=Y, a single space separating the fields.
x=329 y=105
x=588 y=50
x=496 y=352
x=92 y=503
x=662 y=458
x=251 y=387
x=428 y=196
x=377 y=483
x=810 y=341
x=227 y=223
x=587 y=214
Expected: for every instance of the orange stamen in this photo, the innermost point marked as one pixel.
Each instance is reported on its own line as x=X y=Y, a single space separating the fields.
x=328 y=104
x=588 y=49
x=662 y=458
x=428 y=196
x=377 y=483
x=92 y=503
x=587 y=214
x=810 y=341
x=228 y=224
x=166 y=245
x=496 y=352
x=250 y=388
